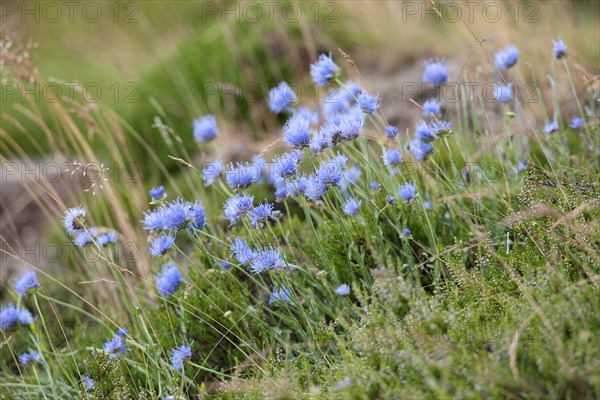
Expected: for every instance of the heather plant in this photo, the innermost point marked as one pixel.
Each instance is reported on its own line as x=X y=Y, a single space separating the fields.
x=350 y=259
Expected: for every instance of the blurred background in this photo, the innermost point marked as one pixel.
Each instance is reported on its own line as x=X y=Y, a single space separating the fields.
x=150 y=67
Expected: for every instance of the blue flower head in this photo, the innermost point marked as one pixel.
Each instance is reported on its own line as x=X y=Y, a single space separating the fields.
x=368 y=102
x=284 y=166
x=559 y=48
x=427 y=204
x=25 y=282
x=391 y=132
x=280 y=97
x=424 y=133
x=352 y=206
x=74 y=220
x=390 y=199
x=329 y=173
x=11 y=315
x=320 y=141
x=349 y=177
x=106 y=239
x=406 y=232
x=123 y=331
x=85 y=238
x=391 y=157
x=242 y=176
x=503 y=93
x=242 y=252
x=374 y=185
x=439 y=127
x=26 y=358
x=407 y=192
x=114 y=347
x=576 y=123
x=551 y=127
x=432 y=106
x=262 y=213
x=296 y=132
x=195 y=215
x=435 y=72
x=315 y=188
x=168 y=279
x=420 y=150
x=235 y=207
x=284 y=188
x=87 y=382
x=282 y=295
x=211 y=172
x=168 y=217
x=161 y=245
x=352 y=90
x=205 y=128
x=268 y=258
x=157 y=192
x=507 y=57
x=323 y=70
x=180 y=354
x=350 y=125
x=343 y=290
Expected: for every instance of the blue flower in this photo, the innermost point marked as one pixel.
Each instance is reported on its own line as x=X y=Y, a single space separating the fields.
x=551 y=127
x=242 y=175
x=406 y=232
x=26 y=358
x=431 y=106
x=123 y=332
x=350 y=126
x=85 y=238
x=435 y=72
x=439 y=127
x=11 y=315
x=391 y=157
x=321 y=140
x=329 y=173
x=407 y=192
x=523 y=165
x=323 y=70
x=507 y=57
x=427 y=204
x=285 y=166
x=296 y=131
x=349 y=177
x=282 y=295
x=352 y=206
x=420 y=150
x=180 y=354
x=315 y=188
x=576 y=123
x=284 y=188
x=242 y=252
x=195 y=216
x=25 y=282
x=391 y=132
x=268 y=258
x=424 y=133
x=374 y=185
x=114 y=347
x=280 y=97
x=503 y=93
x=74 y=220
x=301 y=183
x=205 y=128
x=168 y=279
x=235 y=207
x=157 y=192
x=368 y=102
x=106 y=239
x=342 y=290
x=161 y=245
x=261 y=213
x=390 y=199
x=559 y=48
x=87 y=382
x=211 y=172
